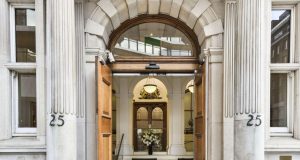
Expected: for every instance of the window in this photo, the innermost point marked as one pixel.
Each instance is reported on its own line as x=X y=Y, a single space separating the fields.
x=24 y=35
x=25 y=102
x=23 y=61
x=282 y=77
x=153 y=40
x=189 y=119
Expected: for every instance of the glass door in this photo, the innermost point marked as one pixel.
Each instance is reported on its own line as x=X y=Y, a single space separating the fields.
x=150 y=117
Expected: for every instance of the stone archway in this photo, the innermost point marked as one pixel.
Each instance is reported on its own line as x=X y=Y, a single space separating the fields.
x=107 y=15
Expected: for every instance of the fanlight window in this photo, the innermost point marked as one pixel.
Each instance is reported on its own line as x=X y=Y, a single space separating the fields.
x=152 y=39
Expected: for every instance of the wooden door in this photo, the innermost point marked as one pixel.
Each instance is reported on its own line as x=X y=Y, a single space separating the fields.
x=199 y=134
x=141 y=123
x=104 y=103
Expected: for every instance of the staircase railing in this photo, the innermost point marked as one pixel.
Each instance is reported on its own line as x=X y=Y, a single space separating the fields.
x=119 y=149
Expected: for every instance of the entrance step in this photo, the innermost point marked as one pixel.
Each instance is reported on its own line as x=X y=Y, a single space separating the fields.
x=144 y=159
x=157 y=157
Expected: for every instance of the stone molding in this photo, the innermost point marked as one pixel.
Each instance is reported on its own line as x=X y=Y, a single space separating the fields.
x=200 y=17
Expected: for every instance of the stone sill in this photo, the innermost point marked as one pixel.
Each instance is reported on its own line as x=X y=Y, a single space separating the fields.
x=187 y=154
x=23 y=150
x=21 y=67
x=23 y=144
x=282 y=144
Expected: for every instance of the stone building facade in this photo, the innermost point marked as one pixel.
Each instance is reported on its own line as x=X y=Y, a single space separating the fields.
x=50 y=92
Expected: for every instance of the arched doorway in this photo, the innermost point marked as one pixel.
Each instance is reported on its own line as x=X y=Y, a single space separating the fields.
x=150 y=115
x=108 y=30
x=171 y=39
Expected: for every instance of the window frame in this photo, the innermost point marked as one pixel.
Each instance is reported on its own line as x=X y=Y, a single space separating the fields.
x=164 y=19
x=290 y=68
x=15 y=109
x=13 y=8
x=290 y=101
x=17 y=68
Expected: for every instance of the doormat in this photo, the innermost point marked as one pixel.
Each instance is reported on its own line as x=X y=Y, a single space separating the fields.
x=144 y=158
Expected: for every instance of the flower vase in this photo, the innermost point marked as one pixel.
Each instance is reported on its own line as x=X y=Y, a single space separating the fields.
x=150 y=151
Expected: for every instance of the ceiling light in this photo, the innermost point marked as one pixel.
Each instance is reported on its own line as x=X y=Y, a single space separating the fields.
x=191 y=88
x=150 y=86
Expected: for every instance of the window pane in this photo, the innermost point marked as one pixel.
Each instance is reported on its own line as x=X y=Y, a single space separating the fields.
x=25 y=35
x=149 y=49
x=27 y=100
x=157 y=113
x=280 y=39
x=153 y=39
x=156 y=50
x=142 y=114
x=133 y=45
x=124 y=43
x=188 y=121
x=175 y=53
x=164 y=51
x=141 y=47
x=278 y=100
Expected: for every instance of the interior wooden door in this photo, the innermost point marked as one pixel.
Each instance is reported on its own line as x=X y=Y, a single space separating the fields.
x=157 y=124
x=199 y=134
x=104 y=103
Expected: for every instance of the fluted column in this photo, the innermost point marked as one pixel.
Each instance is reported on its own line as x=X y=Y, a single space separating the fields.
x=250 y=64
x=61 y=132
x=228 y=95
x=81 y=118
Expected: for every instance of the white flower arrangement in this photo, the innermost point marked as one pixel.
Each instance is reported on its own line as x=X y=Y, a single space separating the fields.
x=149 y=138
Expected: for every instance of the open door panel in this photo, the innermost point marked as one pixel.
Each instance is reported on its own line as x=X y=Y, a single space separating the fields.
x=104 y=104
x=199 y=134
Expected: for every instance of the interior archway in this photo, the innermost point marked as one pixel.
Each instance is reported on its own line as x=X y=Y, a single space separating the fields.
x=138 y=89
x=150 y=115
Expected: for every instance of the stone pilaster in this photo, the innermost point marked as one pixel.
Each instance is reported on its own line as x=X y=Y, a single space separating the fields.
x=5 y=114
x=61 y=113
x=228 y=92
x=213 y=102
x=124 y=121
x=297 y=76
x=80 y=81
x=177 y=126
x=250 y=64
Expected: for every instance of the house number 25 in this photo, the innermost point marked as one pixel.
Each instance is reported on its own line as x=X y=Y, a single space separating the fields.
x=60 y=121
x=257 y=120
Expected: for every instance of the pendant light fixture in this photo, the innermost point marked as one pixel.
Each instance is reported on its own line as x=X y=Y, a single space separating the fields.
x=150 y=85
x=190 y=86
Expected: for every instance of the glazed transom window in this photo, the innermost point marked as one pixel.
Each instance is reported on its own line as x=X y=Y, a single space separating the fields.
x=152 y=39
